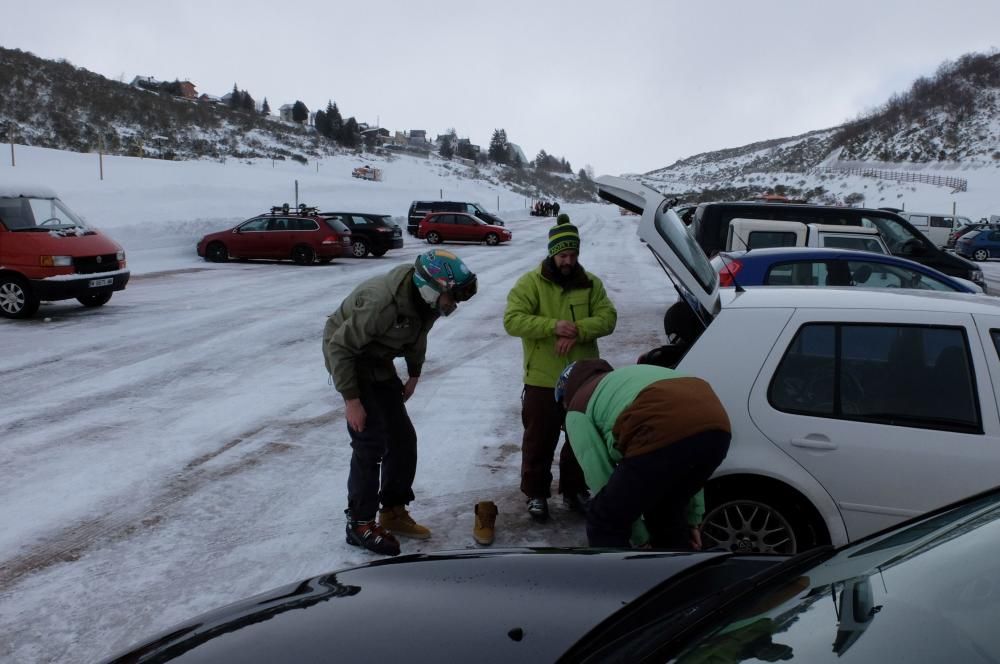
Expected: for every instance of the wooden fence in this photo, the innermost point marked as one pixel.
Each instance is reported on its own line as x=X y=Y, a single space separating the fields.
x=958 y=184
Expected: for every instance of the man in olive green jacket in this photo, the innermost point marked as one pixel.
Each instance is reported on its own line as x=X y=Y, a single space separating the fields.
x=384 y=318
x=559 y=310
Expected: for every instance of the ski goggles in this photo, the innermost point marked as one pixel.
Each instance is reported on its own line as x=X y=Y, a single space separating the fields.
x=465 y=291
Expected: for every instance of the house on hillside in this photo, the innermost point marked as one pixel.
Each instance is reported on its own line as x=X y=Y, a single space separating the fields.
x=188 y=90
x=209 y=99
x=517 y=154
x=285 y=113
x=418 y=139
x=146 y=83
x=185 y=89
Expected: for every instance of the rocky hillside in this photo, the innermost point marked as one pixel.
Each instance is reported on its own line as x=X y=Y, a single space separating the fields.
x=943 y=124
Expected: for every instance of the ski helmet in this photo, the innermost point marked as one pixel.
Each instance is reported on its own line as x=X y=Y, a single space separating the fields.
x=439 y=271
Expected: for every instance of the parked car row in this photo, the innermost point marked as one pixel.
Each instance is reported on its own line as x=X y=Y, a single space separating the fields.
x=303 y=235
x=48 y=253
x=852 y=409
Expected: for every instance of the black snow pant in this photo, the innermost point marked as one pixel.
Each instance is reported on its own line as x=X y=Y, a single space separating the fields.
x=543 y=418
x=387 y=447
x=658 y=486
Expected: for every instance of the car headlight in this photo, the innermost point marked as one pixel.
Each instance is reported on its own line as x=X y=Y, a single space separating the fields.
x=55 y=261
x=977 y=277
x=120 y=256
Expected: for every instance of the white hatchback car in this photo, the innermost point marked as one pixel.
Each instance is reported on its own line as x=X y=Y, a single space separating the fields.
x=851 y=409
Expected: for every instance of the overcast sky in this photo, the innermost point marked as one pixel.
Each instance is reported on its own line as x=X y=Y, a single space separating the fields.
x=626 y=86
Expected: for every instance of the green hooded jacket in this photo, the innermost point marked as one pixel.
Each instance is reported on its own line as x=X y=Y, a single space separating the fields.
x=536 y=303
x=593 y=442
x=383 y=318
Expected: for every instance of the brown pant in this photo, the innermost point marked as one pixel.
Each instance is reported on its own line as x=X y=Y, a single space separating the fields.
x=543 y=418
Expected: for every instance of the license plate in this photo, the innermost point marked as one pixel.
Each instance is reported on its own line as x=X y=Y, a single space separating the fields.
x=97 y=283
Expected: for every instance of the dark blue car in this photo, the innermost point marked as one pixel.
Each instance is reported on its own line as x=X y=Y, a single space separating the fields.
x=804 y=266
x=980 y=245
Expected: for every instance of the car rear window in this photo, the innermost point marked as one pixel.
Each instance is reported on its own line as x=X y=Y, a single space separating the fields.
x=336 y=224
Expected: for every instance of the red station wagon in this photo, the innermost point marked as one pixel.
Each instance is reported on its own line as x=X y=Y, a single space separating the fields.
x=301 y=235
x=459 y=227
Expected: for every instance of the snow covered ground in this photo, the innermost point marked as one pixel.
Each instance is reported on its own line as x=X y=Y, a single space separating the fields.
x=181 y=448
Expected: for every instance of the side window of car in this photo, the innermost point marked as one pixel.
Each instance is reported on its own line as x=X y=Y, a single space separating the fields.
x=465 y=221
x=278 y=224
x=941 y=222
x=801 y=273
x=898 y=375
x=302 y=225
x=259 y=224
x=442 y=219
x=359 y=220
x=764 y=239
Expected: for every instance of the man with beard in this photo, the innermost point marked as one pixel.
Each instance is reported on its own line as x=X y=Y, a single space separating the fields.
x=559 y=310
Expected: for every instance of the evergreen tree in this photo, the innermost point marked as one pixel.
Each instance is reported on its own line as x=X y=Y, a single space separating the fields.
x=234 y=99
x=322 y=124
x=498 y=147
x=336 y=122
x=542 y=160
x=247 y=102
x=300 y=113
x=447 y=151
x=350 y=134
x=265 y=109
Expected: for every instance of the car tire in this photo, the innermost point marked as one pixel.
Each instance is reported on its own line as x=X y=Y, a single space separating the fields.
x=433 y=238
x=16 y=298
x=378 y=253
x=216 y=253
x=359 y=248
x=980 y=255
x=743 y=519
x=492 y=239
x=96 y=300
x=303 y=255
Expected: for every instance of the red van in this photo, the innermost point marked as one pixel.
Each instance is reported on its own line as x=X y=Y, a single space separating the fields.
x=47 y=253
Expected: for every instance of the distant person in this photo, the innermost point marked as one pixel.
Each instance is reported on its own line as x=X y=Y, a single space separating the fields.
x=383 y=318
x=559 y=310
x=648 y=439
x=555 y=207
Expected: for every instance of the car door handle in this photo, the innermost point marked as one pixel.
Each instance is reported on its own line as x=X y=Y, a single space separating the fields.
x=814 y=442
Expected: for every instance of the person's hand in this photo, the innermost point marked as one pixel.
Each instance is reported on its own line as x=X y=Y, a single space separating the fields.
x=695 y=538
x=356 y=415
x=564 y=345
x=409 y=387
x=565 y=328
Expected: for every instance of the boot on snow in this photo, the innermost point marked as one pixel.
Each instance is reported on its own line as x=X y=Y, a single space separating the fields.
x=398 y=521
x=369 y=535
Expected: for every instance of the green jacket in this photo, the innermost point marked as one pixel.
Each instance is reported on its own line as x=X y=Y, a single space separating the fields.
x=590 y=433
x=383 y=318
x=536 y=303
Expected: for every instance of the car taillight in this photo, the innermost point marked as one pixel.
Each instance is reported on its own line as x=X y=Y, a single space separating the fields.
x=331 y=239
x=727 y=273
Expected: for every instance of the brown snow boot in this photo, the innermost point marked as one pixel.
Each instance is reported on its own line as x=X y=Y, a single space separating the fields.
x=486 y=519
x=399 y=522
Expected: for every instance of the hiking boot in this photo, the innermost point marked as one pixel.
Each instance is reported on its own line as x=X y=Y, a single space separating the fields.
x=399 y=522
x=371 y=536
x=538 y=508
x=486 y=519
x=577 y=501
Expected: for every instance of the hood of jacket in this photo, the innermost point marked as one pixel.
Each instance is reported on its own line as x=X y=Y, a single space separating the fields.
x=583 y=381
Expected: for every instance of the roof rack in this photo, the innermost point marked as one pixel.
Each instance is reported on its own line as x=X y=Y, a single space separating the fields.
x=303 y=210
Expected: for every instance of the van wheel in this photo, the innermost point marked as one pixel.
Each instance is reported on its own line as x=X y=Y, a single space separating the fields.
x=217 y=253
x=16 y=298
x=433 y=238
x=359 y=249
x=98 y=300
x=303 y=255
x=980 y=255
x=492 y=239
x=377 y=253
x=748 y=521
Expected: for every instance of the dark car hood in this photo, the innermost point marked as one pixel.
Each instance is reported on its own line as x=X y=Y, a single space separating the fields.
x=497 y=606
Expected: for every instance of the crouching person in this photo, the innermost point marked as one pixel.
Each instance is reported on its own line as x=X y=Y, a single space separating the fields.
x=647 y=438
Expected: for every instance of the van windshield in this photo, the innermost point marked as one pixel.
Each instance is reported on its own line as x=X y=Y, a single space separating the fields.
x=894 y=233
x=37 y=214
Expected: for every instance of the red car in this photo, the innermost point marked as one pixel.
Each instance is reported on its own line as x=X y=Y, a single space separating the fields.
x=459 y=227
x=301 y=235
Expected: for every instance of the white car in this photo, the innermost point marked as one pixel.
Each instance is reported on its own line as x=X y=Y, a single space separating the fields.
x=851 y=409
